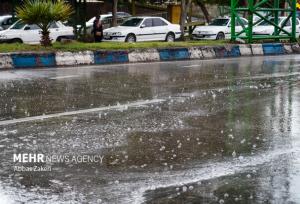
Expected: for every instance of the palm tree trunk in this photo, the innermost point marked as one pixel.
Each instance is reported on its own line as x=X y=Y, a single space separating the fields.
x=114 y=12
x=45 y=39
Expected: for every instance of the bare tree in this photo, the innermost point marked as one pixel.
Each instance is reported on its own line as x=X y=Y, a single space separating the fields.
x=185 y=5
x=114 y=12
x=204 y=10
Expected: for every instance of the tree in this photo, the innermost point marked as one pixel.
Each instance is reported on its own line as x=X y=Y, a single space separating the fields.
x=43 y=13
x=202 y=6
x=114 y=12
x=185 y=5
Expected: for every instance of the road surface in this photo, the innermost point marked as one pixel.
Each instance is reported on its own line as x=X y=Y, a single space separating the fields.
x=214 y=131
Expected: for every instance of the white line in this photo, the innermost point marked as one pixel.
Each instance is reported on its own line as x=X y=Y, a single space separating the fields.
x=116 y=107
x=65 y=77
x=195 y=65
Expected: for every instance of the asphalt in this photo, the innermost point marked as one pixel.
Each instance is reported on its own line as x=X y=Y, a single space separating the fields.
x=213 y=131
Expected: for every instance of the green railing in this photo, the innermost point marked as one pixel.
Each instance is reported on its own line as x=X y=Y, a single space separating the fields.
x=264 y=9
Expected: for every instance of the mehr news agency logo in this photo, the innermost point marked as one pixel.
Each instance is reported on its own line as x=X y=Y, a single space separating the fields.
x=42 y=162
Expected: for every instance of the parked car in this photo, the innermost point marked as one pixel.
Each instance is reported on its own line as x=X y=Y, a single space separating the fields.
x=106 y=20
x=6 y=21
x=122 y=14
x=31 y=34
x=265 y=28
x=218 y=29
x=143 y=29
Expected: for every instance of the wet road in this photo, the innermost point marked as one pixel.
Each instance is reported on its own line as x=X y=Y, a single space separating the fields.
x=215 y=131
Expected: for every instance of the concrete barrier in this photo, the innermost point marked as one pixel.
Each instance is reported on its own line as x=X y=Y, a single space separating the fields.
x=6 y=61
x=45 y=59
x=108 y=57
x=273 y=49
x=174 y=54
x=287 y=49
x=295 y=48
x=32 y=60
x=245 y=50
x=195 y=53
x=208 y=52
x=147 y=55
x=74 y=58
x=227 y=51
x=257 y=49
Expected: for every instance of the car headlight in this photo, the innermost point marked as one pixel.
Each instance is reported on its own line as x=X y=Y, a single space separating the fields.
x=116 y=33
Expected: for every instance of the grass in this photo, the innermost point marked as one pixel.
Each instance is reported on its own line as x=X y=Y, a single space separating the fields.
x=80 y=46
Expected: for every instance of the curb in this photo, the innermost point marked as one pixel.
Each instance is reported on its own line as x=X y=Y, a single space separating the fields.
x=50 y=59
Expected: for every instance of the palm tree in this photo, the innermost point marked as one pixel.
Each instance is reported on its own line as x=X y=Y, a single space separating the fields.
x=43 y=13
x=185 y=5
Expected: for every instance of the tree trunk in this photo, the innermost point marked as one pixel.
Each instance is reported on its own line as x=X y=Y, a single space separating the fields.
x=45 y=38
x=133 y=8
x=185 y=5
x=114 y=12
x=204 y=10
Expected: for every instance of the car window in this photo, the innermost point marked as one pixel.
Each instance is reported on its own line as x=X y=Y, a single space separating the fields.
x=288 y=23
x=7 y=21
x=106 y=20
x=18 y=25
x=148 y=22
x=245 y=22
x=266 y=23
x=53 y=25
x=158 y=22
x=219 y=22
x=132 y=22
x=33 y=27
x=237 y=23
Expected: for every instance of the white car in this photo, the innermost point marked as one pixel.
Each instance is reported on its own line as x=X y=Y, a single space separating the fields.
x=31 y=34
x=218 y=29
x=265 y=28
x=143 y=29
x=5 y=22
x=106 y=20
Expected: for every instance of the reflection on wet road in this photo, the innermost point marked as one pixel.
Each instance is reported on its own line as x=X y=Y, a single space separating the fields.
x=215 y=131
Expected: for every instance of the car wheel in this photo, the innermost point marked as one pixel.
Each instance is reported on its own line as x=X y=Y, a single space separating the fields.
x=170 y=37
x=16 y=40
x=59 y=39
x=220 y=36
x=130 y=38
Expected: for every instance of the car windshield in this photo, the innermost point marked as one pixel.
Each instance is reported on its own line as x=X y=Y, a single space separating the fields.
x=219 y=22
x=133 y=22
x=266 y=23
x=18 y=25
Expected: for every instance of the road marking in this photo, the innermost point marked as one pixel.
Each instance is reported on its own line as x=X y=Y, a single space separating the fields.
x=65 y=77
x=194 y=65
x=56 y=115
